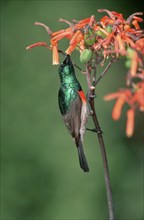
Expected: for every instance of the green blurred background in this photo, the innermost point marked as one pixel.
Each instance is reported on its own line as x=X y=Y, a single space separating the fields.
x=40 y=173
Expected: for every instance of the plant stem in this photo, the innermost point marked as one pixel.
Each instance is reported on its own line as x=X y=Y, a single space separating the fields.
x=91 y=96
x=104 y=156
x=104 y=72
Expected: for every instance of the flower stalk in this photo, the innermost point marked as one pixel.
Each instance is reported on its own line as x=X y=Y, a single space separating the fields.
x=104 y=156
x=91 y=99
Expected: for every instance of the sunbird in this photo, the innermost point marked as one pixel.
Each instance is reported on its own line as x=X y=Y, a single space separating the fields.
x=73 y=107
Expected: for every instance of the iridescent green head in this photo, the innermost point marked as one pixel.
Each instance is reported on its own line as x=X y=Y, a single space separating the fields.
x=66 y=68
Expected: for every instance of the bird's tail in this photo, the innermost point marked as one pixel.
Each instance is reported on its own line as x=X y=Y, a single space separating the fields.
x=82 y=158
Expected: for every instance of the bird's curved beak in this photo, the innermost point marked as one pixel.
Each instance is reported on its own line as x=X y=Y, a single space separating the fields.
x=67 y=60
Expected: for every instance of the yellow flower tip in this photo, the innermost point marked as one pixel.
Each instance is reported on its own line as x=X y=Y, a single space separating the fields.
x=28 y=48
x=56 y=63
x=130 y=123
x=70 y=49
x=55 y=59
x=67 y=52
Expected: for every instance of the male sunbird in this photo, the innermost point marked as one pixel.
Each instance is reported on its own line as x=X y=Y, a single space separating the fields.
x=73 y=107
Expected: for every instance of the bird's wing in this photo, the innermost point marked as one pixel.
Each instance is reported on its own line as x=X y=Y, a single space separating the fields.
x=72 y=118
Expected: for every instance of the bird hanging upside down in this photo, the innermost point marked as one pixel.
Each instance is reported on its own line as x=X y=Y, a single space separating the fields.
x=73 y=107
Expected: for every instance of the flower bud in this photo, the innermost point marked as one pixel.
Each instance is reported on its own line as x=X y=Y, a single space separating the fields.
x=128 y=63
x=129 y=57
x=89 y=37
x=130 y=52
x=99 y=33
x=108 y=28
x=85 y=56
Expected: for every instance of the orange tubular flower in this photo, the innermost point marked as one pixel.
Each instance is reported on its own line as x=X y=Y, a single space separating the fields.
x=138 y=97
x=135 y=24
x=134 y=99
x=92 y=20
x=130 y=122
x=55 y=53
x=75 y=38
x=105 y=21
x=112 y=96
x=107 y=40
x=78 y=36
x=134 y=64
x=122 y=97
x=129 y=41
x=82 y=23
x=81 y=46
x=38 y=44
x=70 y=49
x=120 y=43
x=116 y=113
x=57 y=33
x=126 y=27
x=119 y=16
x=62 y=35
x=139 y=45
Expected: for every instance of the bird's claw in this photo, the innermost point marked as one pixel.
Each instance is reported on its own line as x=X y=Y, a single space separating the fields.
x=94 y=130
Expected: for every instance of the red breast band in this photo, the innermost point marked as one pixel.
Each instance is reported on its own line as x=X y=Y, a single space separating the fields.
x=82 y=95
